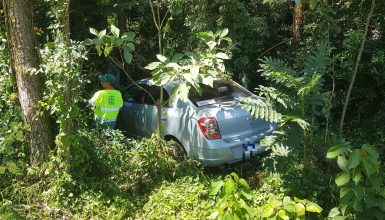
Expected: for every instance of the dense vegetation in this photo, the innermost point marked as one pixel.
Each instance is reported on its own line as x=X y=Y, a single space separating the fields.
x=304 y=58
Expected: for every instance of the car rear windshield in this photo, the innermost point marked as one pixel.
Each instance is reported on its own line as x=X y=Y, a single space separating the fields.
x=222 y=91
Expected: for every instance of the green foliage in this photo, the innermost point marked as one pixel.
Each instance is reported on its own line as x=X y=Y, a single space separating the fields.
x=105 y=42
x=186 y=198
x=287 y=208
x=359 y=182
x=233 y=198
x=192 y=68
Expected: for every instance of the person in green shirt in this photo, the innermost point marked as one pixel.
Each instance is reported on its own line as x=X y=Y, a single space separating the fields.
x=107 y=102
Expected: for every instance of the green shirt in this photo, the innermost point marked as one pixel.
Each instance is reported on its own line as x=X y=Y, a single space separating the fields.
x=107 y=104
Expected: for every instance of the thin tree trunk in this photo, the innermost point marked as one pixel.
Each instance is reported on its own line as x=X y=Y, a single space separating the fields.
x=356 y=67
x=122 y=21
x=24 y=58
x=65 y=21
x=297 y=22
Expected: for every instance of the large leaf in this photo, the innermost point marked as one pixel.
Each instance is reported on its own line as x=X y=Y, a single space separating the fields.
x=161 y=58
x=355 y=159
x=222 y=56
x=267 y=211
x=94 y=31
x=282 y=213
x=342 y=163
x=313 y=207
x=152 y=65
x=336 y=151
x=115 y=31
x=299 y=209
x=342 y=178
x=127 y=56
x=216 y=187
x=230 y=186
x=128 y=36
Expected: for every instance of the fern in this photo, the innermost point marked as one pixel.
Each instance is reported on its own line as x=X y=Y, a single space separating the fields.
x=319 y=61
x=261 y=109
x=273 y=94
x=277 y=71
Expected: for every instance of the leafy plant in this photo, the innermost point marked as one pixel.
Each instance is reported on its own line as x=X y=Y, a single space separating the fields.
x=287 y=208
x=359 y=182
x=192 y=68
x=233 y=198
x=298 y=97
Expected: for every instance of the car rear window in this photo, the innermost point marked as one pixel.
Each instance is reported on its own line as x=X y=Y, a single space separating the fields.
x=222 y=91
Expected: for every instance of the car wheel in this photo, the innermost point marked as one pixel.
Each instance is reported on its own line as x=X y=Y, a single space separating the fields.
x=177 y=150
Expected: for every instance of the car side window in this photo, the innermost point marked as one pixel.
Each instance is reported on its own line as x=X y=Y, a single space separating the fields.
x=155 y=93
x=134 y=94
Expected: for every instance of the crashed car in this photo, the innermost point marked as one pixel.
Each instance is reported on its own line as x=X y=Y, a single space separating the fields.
x=211 y=128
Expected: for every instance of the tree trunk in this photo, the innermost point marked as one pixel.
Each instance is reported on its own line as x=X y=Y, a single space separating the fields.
x=297 y=22
x=24 y=58
x=122 y=21
x=65 y=20
x=346 y=102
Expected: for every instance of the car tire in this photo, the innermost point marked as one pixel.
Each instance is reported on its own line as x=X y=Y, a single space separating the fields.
x=177 y=150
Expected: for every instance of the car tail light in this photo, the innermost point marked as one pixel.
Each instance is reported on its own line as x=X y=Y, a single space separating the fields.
x=209 y=127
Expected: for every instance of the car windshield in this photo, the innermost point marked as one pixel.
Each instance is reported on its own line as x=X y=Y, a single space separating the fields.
x=222 y=91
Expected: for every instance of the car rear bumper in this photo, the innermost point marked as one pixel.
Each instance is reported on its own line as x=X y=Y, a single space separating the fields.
x=221 y=152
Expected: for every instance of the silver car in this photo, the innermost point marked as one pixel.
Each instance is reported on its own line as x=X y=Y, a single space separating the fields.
x=211 y=128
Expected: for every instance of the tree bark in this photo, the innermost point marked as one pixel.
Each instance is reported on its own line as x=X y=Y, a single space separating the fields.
x=65 y=20
x=24 y=58
x=297 y=22
x=122 y=21
x=346 y=102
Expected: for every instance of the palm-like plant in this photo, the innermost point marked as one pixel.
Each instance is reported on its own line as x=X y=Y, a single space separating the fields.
x=297 y=95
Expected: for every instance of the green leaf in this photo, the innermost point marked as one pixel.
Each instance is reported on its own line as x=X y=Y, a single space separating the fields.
x=216 y=187
x=229 y=186
x=342 y=163
x=222 y=56
x=152 y=65
x=108 y=50
x=299 y=209
x=205 y=35
x=334 y=212
x=2 y=170
x=336 y=151
x=235 y=176
x=97 y=42
x=94 y=31
x=282 y=213
x=208 y=81
x=342 y=179
x=267 y=211
x=313 y=207
x=244 y=183
x=115 y=31
x=99 y=50
x=129 y=46
x=88 y=42
x=161 y=58
x=128 y=36
x=127 y=56
x=355 y=159
x=224 y=32
x=357 y=176
x=162 y=79
x=247 y=194
x=102 y=33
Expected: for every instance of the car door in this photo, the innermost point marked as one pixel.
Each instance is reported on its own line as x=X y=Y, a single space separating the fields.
x=149 y=114
x=129 y=117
